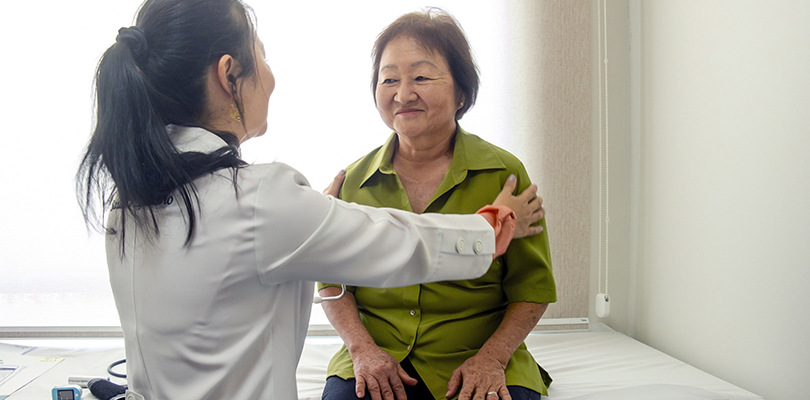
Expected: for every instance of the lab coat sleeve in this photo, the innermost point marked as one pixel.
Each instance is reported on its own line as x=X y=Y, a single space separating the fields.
x=304 y=235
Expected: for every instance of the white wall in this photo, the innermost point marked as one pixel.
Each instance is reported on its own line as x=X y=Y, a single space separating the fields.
x=720 y=119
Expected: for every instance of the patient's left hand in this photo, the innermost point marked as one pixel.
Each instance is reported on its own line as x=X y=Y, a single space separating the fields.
x=478 y=376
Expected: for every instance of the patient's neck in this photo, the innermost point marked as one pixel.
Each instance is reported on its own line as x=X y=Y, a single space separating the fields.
x=421 y=168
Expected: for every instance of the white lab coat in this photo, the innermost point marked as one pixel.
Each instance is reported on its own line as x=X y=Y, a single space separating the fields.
x=226 y=317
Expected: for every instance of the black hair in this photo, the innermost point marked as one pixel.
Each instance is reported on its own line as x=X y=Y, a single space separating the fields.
x=155 y=75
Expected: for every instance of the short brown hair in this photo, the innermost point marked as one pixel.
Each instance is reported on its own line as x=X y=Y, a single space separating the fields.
x=436 y=30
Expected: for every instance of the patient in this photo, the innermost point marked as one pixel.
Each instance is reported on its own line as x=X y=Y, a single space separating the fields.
x=441 y=339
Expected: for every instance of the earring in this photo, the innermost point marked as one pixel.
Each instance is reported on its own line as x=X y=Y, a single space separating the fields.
x=234 y=113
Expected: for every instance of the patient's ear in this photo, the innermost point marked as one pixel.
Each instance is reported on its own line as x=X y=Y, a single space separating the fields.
x=459 y=100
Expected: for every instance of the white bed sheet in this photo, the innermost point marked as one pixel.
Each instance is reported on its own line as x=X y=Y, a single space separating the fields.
x=598 y=365
x=603 y=361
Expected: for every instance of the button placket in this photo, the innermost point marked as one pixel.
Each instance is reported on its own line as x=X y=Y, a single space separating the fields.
x=412 y=295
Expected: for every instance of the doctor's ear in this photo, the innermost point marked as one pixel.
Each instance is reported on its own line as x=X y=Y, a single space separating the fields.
x=226 y=71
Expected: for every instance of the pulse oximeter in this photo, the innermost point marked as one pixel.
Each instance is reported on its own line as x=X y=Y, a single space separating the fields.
x=69 y=392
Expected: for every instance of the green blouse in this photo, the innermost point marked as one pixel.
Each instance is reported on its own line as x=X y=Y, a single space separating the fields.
x=440 y=325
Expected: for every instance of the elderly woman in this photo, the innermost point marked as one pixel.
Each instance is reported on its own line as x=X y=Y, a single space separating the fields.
x=437 y=340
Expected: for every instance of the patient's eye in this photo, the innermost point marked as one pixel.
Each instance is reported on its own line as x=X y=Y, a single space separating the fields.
x=388 y=81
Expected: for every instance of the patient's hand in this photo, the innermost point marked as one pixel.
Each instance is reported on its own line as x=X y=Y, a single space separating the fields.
x=381 y=373
x=334 y=188
x=528 y=207
x=479 y=376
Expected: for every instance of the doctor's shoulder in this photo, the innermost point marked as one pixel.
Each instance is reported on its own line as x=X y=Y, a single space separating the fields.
x=273 y=174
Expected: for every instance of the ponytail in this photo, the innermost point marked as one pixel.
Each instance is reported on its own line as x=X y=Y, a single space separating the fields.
x=130 y=162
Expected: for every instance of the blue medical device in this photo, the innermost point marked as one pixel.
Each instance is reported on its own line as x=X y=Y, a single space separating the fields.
x=69 y=392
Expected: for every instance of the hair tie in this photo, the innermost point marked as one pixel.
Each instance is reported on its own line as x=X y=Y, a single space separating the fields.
x=135 y=38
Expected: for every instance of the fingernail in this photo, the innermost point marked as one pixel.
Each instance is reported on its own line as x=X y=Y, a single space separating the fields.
x=541 y=229
x=511 y=177
x=342 y=172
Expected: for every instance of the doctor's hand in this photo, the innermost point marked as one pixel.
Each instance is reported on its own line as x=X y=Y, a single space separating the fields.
x=528 y=207
x=480 y=378
x=380 y=373
x=334 y=188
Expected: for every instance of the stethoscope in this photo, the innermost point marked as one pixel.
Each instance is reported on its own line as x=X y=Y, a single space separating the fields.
x=319 y=299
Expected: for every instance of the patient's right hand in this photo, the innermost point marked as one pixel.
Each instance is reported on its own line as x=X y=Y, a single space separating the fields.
x=381 y=373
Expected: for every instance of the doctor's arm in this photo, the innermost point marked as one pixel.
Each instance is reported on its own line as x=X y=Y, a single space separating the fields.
x=299 y=234
x=527 y=206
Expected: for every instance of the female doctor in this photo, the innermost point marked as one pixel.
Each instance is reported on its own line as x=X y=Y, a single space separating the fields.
x=211 y=259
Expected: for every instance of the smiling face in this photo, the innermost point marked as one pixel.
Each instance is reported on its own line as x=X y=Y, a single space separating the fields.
x=415 y=92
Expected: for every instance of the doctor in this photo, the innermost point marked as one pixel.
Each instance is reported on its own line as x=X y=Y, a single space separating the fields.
x=211 y=259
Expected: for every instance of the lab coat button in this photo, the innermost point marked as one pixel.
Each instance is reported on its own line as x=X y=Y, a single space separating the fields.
x=478 y=247
x=413 y=312
x=460 y=246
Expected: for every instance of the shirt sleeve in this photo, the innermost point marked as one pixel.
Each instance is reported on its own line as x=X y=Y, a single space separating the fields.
x=301 y=234
x=528 y=276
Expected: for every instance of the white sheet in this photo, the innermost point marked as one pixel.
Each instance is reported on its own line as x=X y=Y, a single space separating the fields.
x=604 y=361
x=598 y=365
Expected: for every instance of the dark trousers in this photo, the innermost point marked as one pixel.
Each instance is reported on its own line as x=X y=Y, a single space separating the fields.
x=343 y=389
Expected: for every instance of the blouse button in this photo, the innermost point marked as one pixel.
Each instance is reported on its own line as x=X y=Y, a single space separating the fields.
x=409 y=347
x=478 y=247
x=460 y=246
x=413 y=312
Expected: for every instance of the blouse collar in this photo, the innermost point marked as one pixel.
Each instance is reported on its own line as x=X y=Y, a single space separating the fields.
x=470 y=153
x=194 y=139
